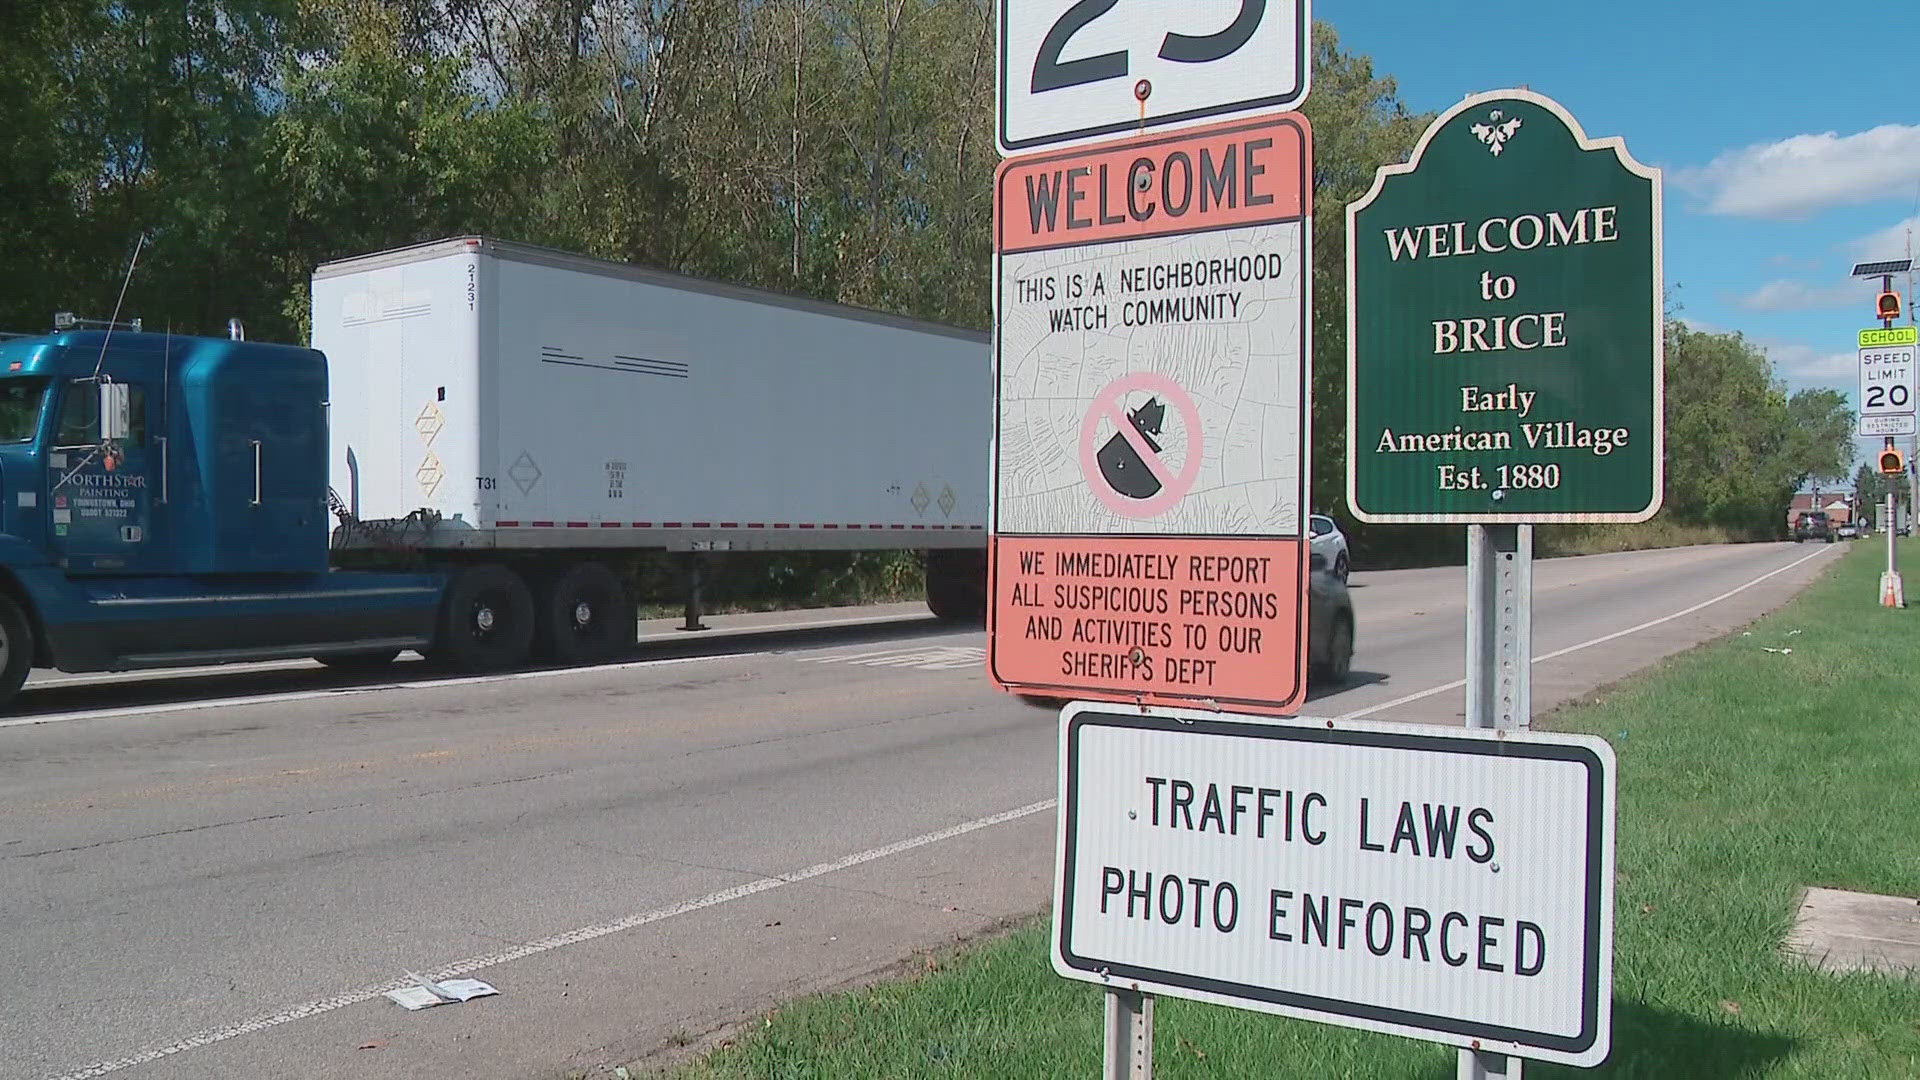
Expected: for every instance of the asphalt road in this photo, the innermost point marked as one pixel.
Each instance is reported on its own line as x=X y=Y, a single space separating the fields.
x=215 y=874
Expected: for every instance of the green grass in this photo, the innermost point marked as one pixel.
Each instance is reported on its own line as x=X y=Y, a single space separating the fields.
x=1744 y=775
x=1552 y=541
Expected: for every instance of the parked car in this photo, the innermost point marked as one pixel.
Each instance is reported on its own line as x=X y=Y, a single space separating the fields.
x=1329 y=624
x=1812 y=525
x=1325 y=538
x=1849 y=532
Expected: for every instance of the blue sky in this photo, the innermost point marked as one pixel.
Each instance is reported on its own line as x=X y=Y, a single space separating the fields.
x=1788 y=134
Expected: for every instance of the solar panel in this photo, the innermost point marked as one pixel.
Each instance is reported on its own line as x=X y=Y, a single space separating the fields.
x=1881 y=269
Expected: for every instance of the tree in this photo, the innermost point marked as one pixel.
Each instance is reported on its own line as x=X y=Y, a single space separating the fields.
x=1819 y=432
x=379 y=141
x=1359 y=124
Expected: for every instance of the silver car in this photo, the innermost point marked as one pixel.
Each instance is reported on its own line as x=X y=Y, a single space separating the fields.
x=1325 y=538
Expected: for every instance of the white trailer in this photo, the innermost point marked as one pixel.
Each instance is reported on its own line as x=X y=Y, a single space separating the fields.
x=503 y=401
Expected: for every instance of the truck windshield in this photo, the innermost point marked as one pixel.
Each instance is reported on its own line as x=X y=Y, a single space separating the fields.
x=20 y=408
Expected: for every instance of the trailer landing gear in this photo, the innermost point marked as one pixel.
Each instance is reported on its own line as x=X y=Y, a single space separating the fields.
x=696 y=577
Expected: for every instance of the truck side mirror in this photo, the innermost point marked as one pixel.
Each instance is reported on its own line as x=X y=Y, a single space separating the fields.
x=116 y=411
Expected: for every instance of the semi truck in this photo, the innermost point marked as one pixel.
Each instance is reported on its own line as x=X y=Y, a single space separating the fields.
x=478 y=433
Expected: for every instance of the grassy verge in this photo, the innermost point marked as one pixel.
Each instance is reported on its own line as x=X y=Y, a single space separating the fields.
x=1555 y=540
x=1744 y=775
x=777 y=581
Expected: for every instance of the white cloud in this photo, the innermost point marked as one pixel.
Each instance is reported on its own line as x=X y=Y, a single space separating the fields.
x=1805 y=173
x=1806 y=364
x=1785 y=295
x=1888 y=243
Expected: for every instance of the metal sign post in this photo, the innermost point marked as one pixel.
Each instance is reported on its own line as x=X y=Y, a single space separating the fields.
x=1129 y=1051
x=1499 y=673
x=1887 y=401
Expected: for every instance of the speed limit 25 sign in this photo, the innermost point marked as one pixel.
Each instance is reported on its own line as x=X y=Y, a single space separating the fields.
x=1077 y=69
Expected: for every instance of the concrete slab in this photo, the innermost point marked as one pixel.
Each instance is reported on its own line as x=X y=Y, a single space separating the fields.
x=1836 y=930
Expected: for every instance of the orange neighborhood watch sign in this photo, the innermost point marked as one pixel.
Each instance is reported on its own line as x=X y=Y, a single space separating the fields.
x=1150 y=444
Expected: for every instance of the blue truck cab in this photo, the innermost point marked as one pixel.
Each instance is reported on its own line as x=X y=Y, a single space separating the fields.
x=163 y=501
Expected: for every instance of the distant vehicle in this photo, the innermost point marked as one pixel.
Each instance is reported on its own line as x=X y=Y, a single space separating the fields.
x=1329 y=625
x=1325 y=538
x=1849 y=532
x=1812 y=525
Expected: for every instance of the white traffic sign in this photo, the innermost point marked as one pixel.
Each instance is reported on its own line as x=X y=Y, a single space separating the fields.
x=1886 y=387
x=1076 y=69
x=1889 y=425
x=1448 y=884
x=1152 y=410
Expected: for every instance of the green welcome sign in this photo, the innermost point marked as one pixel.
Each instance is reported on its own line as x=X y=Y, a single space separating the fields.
x=1504 y=325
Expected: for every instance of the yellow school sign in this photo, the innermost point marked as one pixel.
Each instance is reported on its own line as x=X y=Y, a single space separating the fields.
x=1893 y=335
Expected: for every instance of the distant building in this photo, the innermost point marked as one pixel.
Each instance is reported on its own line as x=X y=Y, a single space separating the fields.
x=1838 y=509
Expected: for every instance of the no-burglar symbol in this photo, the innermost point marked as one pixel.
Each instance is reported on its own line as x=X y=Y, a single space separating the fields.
x=1128 y=471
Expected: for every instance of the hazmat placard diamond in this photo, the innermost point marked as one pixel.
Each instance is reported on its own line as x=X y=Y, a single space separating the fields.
x=429 y=474
x=524 y=472
x=921 y=499
x=429 y=423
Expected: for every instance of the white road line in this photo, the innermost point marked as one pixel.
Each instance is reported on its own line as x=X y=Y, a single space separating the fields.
x=352 y=691
x=1601 y=640
x=535 y=948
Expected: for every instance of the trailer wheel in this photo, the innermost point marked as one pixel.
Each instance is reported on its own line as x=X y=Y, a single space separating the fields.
x=486 y=621
x=16 y=649
x=957 y=584
x=582 y=616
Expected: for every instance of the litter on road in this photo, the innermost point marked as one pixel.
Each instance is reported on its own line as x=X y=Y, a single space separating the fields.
x=426 y=993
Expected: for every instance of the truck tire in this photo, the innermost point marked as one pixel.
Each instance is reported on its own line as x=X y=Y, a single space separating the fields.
x=957 y=585
x=16 y=650
x=486 y=620
x=582 y=616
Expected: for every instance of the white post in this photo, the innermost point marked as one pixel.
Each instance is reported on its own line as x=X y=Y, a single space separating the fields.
x=1499 y=674
x=1892 y=593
